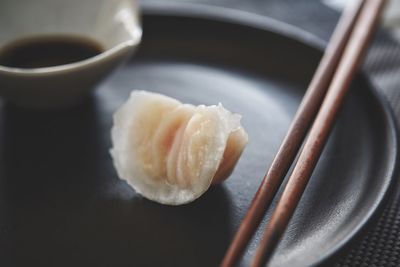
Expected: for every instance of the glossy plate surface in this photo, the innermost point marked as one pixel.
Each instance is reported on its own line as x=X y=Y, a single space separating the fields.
x=62 y=204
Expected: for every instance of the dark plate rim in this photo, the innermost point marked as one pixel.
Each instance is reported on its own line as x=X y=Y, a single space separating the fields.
x=239 y=17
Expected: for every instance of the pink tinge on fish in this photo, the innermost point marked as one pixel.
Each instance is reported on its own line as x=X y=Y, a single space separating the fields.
x=171 y=152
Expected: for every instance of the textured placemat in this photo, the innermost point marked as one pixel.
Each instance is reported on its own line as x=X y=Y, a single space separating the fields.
x=379 y=245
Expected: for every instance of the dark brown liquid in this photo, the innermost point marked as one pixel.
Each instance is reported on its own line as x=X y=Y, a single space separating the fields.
x=47 y=51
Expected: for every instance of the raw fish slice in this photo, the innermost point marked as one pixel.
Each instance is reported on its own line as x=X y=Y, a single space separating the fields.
x=135 y=125
x=167 y=136
x=236 y=142
x=170 y=152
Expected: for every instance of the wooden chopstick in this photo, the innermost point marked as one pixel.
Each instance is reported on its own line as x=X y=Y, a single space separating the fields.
x=295 y=136
x=319 y=132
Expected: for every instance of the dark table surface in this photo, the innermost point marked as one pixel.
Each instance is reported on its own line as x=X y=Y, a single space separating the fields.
x=379 y=244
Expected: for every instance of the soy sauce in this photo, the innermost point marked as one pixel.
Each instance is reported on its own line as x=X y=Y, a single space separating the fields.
x=47 y=51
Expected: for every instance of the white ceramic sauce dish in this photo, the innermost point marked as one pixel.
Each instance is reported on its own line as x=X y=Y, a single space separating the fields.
x=115 y=25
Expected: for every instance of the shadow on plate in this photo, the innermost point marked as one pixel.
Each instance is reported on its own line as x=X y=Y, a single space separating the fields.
x=64 y=205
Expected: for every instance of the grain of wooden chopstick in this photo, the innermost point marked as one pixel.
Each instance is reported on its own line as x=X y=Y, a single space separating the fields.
x=294 y=138
x=319 y=132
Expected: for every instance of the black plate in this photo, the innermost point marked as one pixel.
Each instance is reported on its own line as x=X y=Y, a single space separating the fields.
x=61 y=203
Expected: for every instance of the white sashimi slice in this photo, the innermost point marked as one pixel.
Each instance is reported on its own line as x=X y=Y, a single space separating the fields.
x=167 y=136
x=171 y=152
x=135 y=124
x=236 y=142
x=202 y=147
